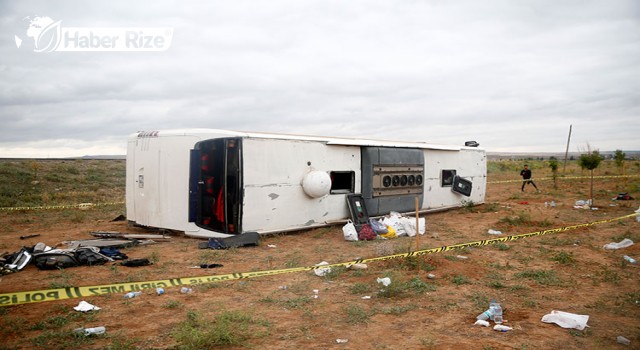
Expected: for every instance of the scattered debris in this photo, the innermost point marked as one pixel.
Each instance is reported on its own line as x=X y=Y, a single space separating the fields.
x=242 y=240
x=622 y=244
x=342 y=341
x=271 y=246
x=136 y=262
x=113 y=234
x=113 y=253
x=482 y=323
x=16 y=261
x=404 y=226
x=501 y=328
x=630 y=259
x=90 y=331
x=622 y=197
x=131 y=295
x=83 y=306
x=582 y=204
x=358 y=266
x=486 y=315
x=349 y=232
x=386 y=281
x=622 y=340
x=566 y=319
x=159 y=291
x=206 y=266
x=494 y=232
x=322 y=271
x=366 y=297
x=431 y=276
x=30 y=236
x=186 y=290
x=462 y=257
x=102 y=242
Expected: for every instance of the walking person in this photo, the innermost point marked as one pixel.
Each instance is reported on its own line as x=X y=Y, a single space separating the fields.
x=526 y=177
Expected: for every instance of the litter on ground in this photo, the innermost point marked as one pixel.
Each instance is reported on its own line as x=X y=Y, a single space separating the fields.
x=566 y=319
x=619 y=245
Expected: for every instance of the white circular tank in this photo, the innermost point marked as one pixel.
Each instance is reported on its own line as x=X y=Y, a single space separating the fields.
x=316 y=184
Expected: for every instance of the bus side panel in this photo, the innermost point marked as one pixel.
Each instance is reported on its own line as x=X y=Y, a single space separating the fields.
x=158 y=181
x=468 y=164
x=274 y=199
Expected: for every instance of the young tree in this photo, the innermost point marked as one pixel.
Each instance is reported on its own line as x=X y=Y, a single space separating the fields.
x=590 y=161
x=553 y=164
x=619 y=158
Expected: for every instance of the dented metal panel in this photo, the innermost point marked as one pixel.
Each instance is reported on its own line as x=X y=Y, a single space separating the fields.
x=273 y=173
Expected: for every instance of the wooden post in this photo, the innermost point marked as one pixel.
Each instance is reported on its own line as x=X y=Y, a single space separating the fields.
x=418 y=224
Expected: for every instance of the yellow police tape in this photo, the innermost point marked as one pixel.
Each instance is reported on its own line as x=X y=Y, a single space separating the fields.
x=565 y=178
x=15 y=298
x=69 y=206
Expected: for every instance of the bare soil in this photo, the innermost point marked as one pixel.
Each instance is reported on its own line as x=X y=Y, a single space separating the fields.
x=568 y=271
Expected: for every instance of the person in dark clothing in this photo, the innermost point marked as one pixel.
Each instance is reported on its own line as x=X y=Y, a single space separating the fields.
x=526 y=177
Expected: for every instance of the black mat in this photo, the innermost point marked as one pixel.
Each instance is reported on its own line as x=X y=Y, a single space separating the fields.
x=241 y=240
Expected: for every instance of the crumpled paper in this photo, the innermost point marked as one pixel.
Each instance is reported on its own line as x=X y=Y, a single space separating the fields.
x=83 y=306
x=566 y=319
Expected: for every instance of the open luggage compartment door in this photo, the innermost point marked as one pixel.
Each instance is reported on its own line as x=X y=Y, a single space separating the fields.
x=462 y=186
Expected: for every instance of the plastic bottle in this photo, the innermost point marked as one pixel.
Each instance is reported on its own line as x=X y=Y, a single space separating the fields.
x=185 y=290
x=90 y=331
x=485 y=315
x=159 y=291
x=132 y=295
x=630 y=259
x=622 y=340
x=496 y=310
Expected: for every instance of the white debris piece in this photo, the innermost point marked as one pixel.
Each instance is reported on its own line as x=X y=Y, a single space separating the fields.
x=566 y=319
x=83 y=306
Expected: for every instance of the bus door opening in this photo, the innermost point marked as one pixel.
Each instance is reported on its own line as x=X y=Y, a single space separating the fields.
x=216 y=199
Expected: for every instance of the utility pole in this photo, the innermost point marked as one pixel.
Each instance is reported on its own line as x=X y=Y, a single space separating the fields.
x=566 y=152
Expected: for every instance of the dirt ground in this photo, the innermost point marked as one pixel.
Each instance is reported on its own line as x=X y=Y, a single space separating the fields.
x=568 y=271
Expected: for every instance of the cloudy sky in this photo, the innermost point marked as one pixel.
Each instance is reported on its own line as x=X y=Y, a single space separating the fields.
x=512 y=75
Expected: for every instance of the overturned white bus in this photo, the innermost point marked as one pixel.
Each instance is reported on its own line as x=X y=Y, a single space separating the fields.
x=217 y=183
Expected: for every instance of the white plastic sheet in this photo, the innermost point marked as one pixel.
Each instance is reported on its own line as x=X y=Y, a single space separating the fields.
x=83 y=306
x=622 y=244
x=566 y=319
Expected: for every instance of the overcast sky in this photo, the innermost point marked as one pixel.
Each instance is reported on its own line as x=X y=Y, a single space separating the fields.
x=511 y=75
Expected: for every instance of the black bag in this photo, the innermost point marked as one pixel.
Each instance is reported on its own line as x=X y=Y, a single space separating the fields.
x=90 y=256
x=136 y=262
x=55 y=260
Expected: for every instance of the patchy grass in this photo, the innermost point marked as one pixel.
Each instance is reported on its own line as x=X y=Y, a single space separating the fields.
x=228 y=328
x=543 y=277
